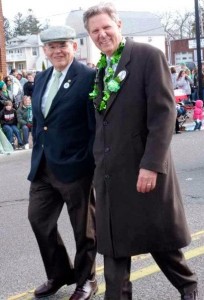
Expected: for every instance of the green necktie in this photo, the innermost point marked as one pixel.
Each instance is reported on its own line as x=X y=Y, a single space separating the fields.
x=52 y=92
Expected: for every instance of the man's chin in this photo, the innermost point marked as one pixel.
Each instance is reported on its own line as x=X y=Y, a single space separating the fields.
x=60 y=65
x=107 y=50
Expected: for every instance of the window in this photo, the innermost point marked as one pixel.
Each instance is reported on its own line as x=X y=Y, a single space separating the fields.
x=20 y=66
x=34 y=51
x=81 y=42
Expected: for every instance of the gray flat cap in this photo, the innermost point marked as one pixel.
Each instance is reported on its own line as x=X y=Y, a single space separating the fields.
x=57 y=34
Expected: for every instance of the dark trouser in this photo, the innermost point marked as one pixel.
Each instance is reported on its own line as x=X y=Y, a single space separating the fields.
x=117 y=278
x=47 y=197
x=198 y=125
x=25 y=131
x=177 y=128
x=172 y=264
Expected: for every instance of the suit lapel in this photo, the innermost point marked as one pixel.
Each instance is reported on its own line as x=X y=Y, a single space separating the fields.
x=67 y=84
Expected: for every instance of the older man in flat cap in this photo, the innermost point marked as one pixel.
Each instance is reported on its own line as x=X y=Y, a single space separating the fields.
x=62 y=165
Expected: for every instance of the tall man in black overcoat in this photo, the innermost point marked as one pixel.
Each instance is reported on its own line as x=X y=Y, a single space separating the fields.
x=62 y=165
x=138 y=202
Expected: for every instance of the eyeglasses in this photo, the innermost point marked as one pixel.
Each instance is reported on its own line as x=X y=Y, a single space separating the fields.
x=61 y=47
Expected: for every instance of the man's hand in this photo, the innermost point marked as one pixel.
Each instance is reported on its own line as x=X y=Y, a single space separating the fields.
x=146 y=181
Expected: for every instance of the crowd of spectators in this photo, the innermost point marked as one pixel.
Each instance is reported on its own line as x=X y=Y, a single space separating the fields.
x=15 y=110
x=187 y=81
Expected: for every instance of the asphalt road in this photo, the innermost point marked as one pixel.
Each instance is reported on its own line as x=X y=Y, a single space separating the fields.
x=21 y=269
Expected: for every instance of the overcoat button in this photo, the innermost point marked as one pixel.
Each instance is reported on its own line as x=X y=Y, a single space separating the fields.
x=107 y=150
x=105 y=123
x=45 y=127
x=107 y=176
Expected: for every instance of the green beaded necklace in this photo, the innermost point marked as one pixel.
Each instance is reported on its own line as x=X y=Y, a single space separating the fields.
x=111 y=83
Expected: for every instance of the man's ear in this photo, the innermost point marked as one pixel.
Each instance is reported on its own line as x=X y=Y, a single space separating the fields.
x=44 y=49
x=119 y=24
x=75 y=46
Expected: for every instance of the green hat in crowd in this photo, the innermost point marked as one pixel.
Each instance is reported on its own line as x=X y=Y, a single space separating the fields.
x=2 y=83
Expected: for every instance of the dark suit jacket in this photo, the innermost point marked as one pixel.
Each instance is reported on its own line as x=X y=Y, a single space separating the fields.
x=66 y=135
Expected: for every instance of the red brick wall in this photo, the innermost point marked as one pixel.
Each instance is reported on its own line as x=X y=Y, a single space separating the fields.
x=179 y=46
x=3 y=68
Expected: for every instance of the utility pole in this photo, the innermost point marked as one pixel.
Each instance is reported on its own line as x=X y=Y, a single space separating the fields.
x=197 y=23
x=3 y=68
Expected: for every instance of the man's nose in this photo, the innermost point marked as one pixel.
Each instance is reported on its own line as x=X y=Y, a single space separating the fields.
x=102 y=33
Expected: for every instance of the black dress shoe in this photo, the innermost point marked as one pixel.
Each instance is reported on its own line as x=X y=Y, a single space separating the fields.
x=51 y=287
x=191 y=296
x=85 y=292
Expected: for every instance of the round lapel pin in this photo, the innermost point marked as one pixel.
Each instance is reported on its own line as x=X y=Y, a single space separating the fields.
x=66 y=85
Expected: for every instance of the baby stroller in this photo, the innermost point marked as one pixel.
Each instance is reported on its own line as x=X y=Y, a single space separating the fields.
x=182 y=116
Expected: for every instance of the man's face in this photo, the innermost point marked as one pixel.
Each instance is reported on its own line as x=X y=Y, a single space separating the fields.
x=105 y=33
x=19 y=76
x=30 y=78
x=60 y=54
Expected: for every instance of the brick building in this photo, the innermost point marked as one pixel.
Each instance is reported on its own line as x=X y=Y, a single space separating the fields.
x=184 y=50
x=3 y=68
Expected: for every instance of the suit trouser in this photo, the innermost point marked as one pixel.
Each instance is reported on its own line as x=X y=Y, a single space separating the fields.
x=171 y=263
x=47 y=197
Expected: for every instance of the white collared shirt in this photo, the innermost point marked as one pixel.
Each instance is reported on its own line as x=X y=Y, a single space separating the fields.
x=108 y=58
x=61 y=79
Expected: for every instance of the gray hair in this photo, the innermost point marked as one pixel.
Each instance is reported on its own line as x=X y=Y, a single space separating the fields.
x=101 y=8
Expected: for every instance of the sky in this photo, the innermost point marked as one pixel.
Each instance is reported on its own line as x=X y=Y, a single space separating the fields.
x=57 y=11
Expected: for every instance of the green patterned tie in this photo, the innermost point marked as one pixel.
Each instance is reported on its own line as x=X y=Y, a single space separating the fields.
x=52 y=92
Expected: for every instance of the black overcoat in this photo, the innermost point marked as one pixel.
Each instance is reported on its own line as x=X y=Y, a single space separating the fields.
x=135 y=132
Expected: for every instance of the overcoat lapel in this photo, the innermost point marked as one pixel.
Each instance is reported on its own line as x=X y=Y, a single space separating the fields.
x=125 y=58
x=100 y=84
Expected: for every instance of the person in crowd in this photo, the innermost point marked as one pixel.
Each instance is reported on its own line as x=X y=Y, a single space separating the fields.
x=174 y=76
x=194 y=87
x=198 y=114
x=21 y=79
x=180 y=112
x=5 y=146
x=14 y=86
x=5 y=94
x=25 y=119
x=29 y=85
x=184 y=67
x=138 y=201
x=184 y=82
x=1 y=78
x=62 y=165
x=91 y=65
x=8 y=120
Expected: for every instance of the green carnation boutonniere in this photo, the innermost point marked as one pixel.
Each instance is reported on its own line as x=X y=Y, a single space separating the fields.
x=113 y=86
x=111 y=83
